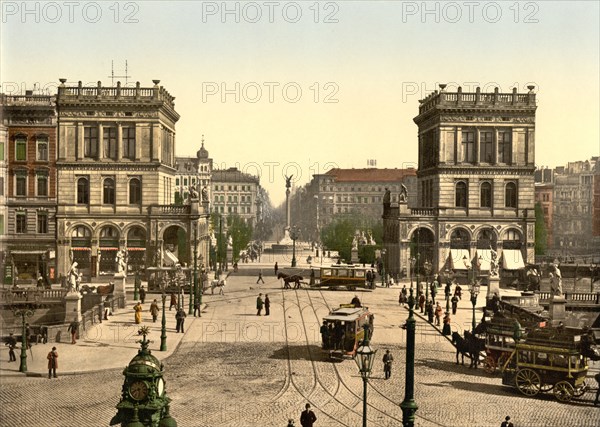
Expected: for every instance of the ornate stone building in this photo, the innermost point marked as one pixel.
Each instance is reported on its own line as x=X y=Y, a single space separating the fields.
x=236 y=193
x=193 y=172
x=475 y=185
x=29 y=207
x=116 y=174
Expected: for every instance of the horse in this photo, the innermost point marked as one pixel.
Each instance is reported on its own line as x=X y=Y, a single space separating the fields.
x=287 y=279
x=464 y=347
x=218 y=283
x=105 y=289
x=477 y=344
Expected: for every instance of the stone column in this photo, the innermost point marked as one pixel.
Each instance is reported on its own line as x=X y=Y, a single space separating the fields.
x=120 y=280
x=73 y=306
x=557 y=309
x=287 y=208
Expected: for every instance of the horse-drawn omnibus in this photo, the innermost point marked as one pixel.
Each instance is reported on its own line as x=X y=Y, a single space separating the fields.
x=345 y=326
x=499 y=342
x=343 y=275
x=547 y=360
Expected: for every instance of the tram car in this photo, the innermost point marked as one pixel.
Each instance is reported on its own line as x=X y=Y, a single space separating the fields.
x=343 y=276
x=548 y=360
x=345 y=330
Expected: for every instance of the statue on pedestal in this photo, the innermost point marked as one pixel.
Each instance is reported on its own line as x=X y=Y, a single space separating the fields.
x=493 y=262
x=120 y=260
x=403 y=197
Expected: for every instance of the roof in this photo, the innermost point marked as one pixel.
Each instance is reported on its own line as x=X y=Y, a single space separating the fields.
x=233 y=175
x=370 y=174
x=345 y=313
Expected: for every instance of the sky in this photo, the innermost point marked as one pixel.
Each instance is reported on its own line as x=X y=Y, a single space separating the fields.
x=294 y=88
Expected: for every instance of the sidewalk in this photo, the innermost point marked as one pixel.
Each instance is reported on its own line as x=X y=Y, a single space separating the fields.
x=107 y=345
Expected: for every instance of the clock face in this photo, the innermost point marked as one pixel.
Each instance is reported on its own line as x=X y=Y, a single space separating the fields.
x=138 y=390
x=161 y=386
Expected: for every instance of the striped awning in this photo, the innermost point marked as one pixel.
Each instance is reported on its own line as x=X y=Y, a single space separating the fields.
x=80 y=249
x=457 y=257
x=136 y=249
x=512 y=259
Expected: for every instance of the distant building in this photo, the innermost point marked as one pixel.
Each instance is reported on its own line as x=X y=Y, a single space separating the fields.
x=29 y=206
x=236 y=193
x=193 y=172
x=596 y=207
x=3 y=191
x=475 y=186
x=544 y=195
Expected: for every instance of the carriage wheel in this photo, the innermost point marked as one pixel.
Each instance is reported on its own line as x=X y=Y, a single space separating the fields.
x=563 y=391
x=528 y=382
x=580 y=391
x=489 y=364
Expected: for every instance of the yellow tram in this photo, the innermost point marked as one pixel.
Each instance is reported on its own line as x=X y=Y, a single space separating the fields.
x=343 y=275
x=345 y=329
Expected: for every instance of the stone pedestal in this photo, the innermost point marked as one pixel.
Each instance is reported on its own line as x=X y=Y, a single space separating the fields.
x=402 y=208
x=120 y=280
x=493 y=287
x=354 y=256
x=73 y=307
x=557 y=309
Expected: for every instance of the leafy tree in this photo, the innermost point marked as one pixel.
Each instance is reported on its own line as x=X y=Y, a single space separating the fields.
x=241 y=234
x=339 y=234
x=541 y=233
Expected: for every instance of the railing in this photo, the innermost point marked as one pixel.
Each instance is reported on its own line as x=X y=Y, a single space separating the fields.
x=477 y=98
x=423 y=211
x=573 y=297
x=170 y=209
x=156 y=93
x=32 y=295
x=8 y=100
x=522 y=312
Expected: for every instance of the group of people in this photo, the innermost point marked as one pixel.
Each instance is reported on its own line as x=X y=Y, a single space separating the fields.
x=333 y=336
x=260 y=303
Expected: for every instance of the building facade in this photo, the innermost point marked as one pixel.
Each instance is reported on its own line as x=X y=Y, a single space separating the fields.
x=193 y=172
x=3 y=175
x=29 y=181
x=475 y=186
x=116 y=175
x=236 y=193
x=544 y=195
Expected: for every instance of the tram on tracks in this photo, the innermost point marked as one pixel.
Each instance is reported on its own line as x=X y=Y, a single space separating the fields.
x=342 y=276
x=547 y=360
x=345 y=330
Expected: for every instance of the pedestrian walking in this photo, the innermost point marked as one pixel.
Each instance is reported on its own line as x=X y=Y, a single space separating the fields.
x=138 y=313
x=267 y=305
x=404 y=295
x=259 y=304
x=507 y=422
x=260 y=278
x=307 y=417
x=438 y=314
x=180 y=318
x=142 y=294
x=433 y=289
x=454 y=302
x=458 y=291
x=52 y=363
x=196 y=307
x=387 y=364
x=74 y=330
x=276 y=268
x=447 y=290
x=11 y=342
x=154 y=310
x=107 y=308
x=429 y=310
x=421 y=301
x=446 y=329
x=173 y=302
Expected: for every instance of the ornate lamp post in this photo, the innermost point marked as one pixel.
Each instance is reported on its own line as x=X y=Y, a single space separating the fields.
x=474 y=292
x=136 y=286
x=163 y=329
x=294 y=235
x=413 y=261
x=408 y=405
x=197 y=295
x=23 y=312
x=383 y=251
x=365 y=355
x=427 y=266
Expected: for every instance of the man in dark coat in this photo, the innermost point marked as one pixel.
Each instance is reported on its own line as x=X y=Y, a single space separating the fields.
x=142 y=294
x=259 y=304
x=454 y=302
x=180 y=317
x=52 y=362
x=11 y=342
x=507 y=423
x=325 y=335
x=308 y=417
x=74 y=329
x=267 y=305
x=387 y=364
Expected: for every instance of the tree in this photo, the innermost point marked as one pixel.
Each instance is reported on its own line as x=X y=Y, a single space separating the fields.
x=339 y=234
x=541 y=233
x=241 y=234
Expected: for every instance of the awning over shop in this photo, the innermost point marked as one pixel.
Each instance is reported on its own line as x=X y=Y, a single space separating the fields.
x=80 y=249
x=136 y=249
x=484 y=256
x=456 y=258
x=512 y=259
x=27 y=252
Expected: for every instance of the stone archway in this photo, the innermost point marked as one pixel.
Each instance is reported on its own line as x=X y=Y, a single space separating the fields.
x=176 y=246
x=422 y=248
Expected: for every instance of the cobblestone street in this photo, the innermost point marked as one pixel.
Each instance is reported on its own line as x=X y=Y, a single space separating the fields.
x=233 y=368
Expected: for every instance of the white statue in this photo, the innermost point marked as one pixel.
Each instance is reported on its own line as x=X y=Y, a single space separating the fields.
x=556 y=282
x=229 y=242
x=120 y=260
x=73 y=275
x=493 y=262
x=355 y=240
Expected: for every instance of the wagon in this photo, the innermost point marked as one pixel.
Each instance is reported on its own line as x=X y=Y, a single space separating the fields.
x=499 y=343
x=343 y=275
x=547 y=361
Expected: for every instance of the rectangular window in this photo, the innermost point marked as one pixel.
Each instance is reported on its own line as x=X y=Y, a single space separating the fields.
x=42 y=223
x=20 y=149
x=129 y=143
x=505 y=147
x=42 y=149
x=1 y=151
x=42 y=185
x=21 y=185
x=90 y=142
x=21 y=223
x=485 y=147
x=1 y=186
x=468 y=142
x=109 y=136
x=1 y=225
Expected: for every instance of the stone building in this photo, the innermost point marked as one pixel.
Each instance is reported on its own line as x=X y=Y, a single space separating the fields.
x=29 y=206
x=236 y=193
x=544 y=195
x=475 y=186
x=3 y=181
x=116 y=175
x=193 y=172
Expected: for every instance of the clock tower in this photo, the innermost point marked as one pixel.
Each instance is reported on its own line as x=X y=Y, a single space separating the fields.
x=144 y=401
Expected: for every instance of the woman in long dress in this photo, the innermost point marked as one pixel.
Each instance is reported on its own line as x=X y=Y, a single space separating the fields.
x=138 y=313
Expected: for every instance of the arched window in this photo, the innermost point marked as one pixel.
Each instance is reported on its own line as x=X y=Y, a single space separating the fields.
x=461 y=194
x=81 y=231
x=108 y=191
x=83 y=191
x=135 y=192
x=510 y=195
x=486 y=195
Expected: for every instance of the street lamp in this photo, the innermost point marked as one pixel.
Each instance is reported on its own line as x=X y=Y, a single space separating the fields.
x=136 y=285
x=408 y=405
x=163 y=329
x=383 y=251
x=474 y=292
x=197 y=295
x=413 y=261
x=365 y=355
x=294 y=235
x=23 y=312
x=427 y=266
